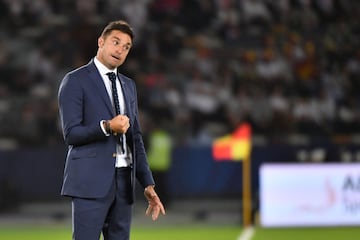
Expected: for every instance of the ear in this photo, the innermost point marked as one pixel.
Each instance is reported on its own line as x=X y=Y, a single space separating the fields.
x=100 y=42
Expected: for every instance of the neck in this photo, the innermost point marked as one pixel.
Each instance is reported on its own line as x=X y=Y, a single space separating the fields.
x=110 y=68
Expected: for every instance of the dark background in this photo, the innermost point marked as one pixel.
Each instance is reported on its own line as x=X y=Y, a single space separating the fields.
x=202 y=67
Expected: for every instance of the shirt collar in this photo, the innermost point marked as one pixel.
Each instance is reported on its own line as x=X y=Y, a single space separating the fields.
x=102 y=68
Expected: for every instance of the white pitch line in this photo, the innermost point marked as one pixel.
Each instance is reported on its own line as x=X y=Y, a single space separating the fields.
x=246 y=234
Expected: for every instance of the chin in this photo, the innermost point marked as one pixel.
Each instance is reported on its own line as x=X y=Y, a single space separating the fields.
x=120 y=62
x=117 y=64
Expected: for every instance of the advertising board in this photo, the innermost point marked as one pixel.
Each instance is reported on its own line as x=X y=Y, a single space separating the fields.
x=309 y=194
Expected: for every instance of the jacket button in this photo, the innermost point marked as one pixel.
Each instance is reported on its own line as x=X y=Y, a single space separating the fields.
x=114 y=154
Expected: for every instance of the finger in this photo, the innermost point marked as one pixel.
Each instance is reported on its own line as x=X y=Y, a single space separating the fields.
x=155 y=213
x=160 y=205
x=162 y=209
x=148 y=210
x=124 y=118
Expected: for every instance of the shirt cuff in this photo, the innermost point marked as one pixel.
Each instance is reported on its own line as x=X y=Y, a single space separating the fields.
x=103 y=129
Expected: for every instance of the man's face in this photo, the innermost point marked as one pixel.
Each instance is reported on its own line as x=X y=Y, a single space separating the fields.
x=113 y=49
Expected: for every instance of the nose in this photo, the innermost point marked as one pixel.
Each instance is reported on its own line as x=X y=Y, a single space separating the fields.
x=120 y=49
x=123 y=48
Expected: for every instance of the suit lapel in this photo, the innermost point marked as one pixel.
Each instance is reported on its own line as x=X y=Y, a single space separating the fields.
x=126 y=92
x=99 y=84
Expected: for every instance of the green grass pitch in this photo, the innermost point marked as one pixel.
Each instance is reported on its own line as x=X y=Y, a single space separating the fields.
x=60 y=232
x=312 y=233
x=138 y=233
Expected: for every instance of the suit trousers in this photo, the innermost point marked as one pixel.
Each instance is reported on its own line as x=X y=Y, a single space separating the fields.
x=110 y=215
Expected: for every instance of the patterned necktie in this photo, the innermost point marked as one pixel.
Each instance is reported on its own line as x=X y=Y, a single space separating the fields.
x=112 y=78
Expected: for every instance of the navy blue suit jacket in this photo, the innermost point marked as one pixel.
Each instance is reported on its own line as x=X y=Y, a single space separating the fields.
x=90 y=162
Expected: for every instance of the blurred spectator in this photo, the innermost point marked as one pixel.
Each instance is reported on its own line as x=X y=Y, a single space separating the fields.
x=260 y=113
x=288 y=65
x=159 y=156
x=200 y=97
x=255 y=11
x=136 y=13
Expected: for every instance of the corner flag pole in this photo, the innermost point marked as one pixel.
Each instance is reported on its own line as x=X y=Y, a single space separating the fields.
x=247 y=192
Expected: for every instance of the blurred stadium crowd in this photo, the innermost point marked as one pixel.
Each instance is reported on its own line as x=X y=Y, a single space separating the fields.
x=201 y=66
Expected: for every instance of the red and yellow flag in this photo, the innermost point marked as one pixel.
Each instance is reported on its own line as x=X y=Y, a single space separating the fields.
x=235 y=146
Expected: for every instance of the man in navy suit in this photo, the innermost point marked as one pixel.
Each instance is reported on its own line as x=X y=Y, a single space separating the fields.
x=106 y=153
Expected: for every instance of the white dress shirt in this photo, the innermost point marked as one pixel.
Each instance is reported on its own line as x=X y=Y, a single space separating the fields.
x=122 y=159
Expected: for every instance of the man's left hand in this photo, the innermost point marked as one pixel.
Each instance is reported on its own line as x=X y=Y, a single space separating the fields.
x=155 y=206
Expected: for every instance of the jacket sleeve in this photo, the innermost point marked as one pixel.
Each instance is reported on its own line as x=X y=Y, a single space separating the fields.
x=143 y=172
x=77 y=128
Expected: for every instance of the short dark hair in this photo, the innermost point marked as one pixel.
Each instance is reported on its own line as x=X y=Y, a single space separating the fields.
x=119 y=25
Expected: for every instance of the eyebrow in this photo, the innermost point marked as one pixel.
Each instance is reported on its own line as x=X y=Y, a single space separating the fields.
x=116 y=38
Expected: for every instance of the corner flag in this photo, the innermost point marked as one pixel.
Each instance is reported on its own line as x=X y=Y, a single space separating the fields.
x=235 y=146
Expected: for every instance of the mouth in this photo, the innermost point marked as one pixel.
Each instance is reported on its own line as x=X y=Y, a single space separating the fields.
x=116 y=57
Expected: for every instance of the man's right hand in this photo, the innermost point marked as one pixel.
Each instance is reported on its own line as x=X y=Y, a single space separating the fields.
x=119 y=124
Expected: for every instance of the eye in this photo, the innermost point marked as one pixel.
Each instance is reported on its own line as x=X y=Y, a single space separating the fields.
x=115 y=42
